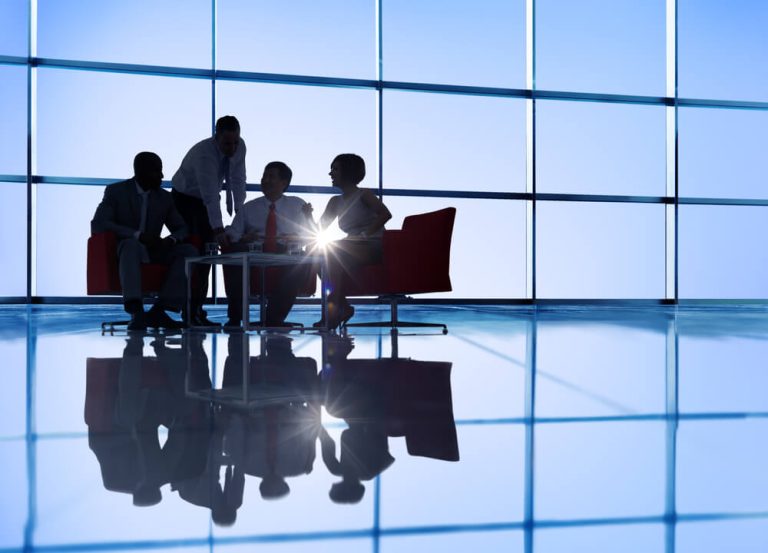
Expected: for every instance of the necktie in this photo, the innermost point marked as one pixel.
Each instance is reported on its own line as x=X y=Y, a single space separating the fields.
x=227 y=187
x=144 y=205
x=270 y=231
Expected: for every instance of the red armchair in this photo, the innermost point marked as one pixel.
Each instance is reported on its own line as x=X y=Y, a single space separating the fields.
x=416 y=260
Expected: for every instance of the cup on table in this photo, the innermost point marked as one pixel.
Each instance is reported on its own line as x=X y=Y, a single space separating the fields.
x=211 y=248
x=256 y=246
x=293 y=248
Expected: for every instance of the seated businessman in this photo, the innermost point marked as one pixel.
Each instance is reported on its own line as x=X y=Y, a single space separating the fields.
x=272 y=219
x=136 y=210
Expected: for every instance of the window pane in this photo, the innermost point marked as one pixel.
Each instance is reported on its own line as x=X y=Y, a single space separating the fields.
x=458 y=42
x=587 y=470
x=722 y=153
x=92 y=124
x=600 y=250
x=608 y=46
x=454 y=142
x=592 y=148
x=488 y=248
x=14 y=25
x=304 y=126
x=722 y=49
x=13 y=244
x=721 y=253
x=13 y=114
x=333 y=38
x=599 y=369
x=64 y=214
x=126 y=31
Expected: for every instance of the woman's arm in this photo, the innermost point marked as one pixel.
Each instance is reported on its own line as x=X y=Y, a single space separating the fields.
x=383 y=215
x=330 y=213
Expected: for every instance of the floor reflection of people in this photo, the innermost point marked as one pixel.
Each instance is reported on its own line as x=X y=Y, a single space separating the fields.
x=128 y=399
x=380 y=398
x=274 y=438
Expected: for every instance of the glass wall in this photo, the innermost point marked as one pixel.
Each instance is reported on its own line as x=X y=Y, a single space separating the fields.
x=594 y=150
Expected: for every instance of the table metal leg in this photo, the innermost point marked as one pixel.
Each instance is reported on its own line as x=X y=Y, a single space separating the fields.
x=246 y=274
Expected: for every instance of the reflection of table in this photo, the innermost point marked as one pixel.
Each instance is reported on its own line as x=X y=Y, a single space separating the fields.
x=260 y=260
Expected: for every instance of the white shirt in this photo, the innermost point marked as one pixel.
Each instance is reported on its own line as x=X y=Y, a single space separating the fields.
x=289 y=215
x=201 y=175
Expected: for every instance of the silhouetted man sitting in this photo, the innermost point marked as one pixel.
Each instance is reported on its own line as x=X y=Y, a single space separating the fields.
x=136 y=211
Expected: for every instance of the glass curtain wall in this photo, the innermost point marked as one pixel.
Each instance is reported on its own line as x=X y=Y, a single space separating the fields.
x=593 y=149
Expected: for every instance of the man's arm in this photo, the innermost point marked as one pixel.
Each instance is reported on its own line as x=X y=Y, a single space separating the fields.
x=175 y=223
x=237 y=175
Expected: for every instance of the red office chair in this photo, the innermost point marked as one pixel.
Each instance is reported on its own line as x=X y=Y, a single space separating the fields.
x=416 y=260
x=103 y=275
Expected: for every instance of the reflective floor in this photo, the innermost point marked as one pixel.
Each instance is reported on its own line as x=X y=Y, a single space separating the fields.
x=572 y=429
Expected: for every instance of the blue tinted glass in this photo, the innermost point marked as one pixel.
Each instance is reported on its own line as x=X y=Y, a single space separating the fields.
x=722 y=49
x=126 y=31
x=13 y=350
x=478 y=43
x=13 y=501
x=492 y=459
x=64 y=214
x=333 y=38
x=748 y=536
x=13 y=114
x=453 y=142
x=598 y=369
x=489 y=239
x=14 y=24
x=709 y=380
x=13 y=245
x=304 y=126
x=68 y=469
x=586 y=471
x=503 y=359
x=720 y=252
x=592 y=148
x=722 y=153
x=493 y=540
x=636 y=538
x=721 y=466
x=92 y=124
x=609 y=46
x=600 y=250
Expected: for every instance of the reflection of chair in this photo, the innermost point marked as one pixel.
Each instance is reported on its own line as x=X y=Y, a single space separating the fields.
x=103 y=275
x=416 y=260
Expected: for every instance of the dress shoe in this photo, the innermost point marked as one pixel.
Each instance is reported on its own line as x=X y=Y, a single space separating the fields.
x=199 y=318
x=158 y=318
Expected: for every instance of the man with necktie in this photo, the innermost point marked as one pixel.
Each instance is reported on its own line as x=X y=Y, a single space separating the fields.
x=269 y=218
x=212 y=166
x=136 y=211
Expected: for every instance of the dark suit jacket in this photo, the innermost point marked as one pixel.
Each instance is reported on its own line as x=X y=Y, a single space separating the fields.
x=120 y=212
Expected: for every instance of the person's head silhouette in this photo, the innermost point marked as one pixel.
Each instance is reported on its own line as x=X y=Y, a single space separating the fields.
x=228 y=135
x=148 y=170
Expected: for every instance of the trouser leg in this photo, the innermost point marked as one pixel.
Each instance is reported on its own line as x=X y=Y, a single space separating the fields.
x=129 y=253
x=233 y=286
x=174 y=291
x=281 y=302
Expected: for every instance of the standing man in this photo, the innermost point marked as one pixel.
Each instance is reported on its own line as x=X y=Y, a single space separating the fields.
x=211 y=166
x=136 y=211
